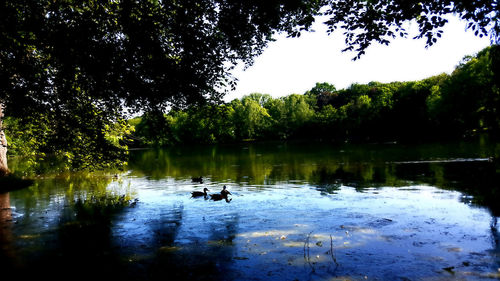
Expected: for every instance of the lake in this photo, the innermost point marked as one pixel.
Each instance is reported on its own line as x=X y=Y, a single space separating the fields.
x=303 y=211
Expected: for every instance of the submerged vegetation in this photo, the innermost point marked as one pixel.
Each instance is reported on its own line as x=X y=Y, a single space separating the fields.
x=461 y=104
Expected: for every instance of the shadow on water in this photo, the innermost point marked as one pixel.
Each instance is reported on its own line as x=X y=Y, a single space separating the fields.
x=60 y=228
x=12 y=183
x=69 y=228
x=209 y=259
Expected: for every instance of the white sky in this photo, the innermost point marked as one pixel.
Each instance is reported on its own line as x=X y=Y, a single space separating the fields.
x=294 y=65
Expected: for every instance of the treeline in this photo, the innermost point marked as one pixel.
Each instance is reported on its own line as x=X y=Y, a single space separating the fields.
x=464 y=103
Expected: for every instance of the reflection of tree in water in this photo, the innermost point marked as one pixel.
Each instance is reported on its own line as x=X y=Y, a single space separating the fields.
x=166 y=226
x=7 y=253
x=496 y=236
x=63 y=227
x=325 y=181
x=273 y=163
x=481 y=182
x=478 y=179
x=201 y=259
x=223 y=232
x=84 y=238
x=359 y=176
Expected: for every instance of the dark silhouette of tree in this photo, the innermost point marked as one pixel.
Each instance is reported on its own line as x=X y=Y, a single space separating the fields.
x=364 y=22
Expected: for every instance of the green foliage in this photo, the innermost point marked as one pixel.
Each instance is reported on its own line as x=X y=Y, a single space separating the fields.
x=321 y=89
x=298 y=112
x=88 y=146
x=151 y=129
x=134 y=121
x=27 y=138
x=468 y=101
x=443 y=106
x=250 y=118
x=79 y=65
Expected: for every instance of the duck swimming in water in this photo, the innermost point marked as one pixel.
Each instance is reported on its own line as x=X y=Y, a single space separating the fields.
x=218 y=197
x=222 y=195
x=197 y=179
x=199 y=193
x=225 y=191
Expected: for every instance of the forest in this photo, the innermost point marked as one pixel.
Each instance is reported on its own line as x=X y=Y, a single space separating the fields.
x=462 y=104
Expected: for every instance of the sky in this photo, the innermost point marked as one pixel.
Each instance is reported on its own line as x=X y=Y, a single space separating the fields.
x=294 y=65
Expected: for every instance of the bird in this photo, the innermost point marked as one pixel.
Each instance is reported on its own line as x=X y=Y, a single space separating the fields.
x=218 y=196
x=197 y=179
x=225 y=191
x=199 y=193
x=222 y=195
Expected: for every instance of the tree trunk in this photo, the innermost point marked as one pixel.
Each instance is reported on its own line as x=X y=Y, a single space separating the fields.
x=4 y=169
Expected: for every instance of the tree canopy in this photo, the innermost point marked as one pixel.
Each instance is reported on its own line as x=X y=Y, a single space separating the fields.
x=364 y=22
x=143 y=54
x=73 y=67
x=138 y=54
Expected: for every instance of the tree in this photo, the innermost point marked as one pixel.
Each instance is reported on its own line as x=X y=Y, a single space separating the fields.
x=279 y=121
x=299 y=110
x=364 y=22
x=289 y=114
x=324 y=93
x=468 y=100
x=261 y=99
x=250 y=118
x=321 y=88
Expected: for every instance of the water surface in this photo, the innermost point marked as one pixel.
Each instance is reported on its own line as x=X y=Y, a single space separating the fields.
x=297 y=212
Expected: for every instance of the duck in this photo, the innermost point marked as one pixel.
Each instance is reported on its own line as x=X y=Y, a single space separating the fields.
x=222 y=195
x=218 y=196
x=225 y=191
x=197 y=179
x=199 y=193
